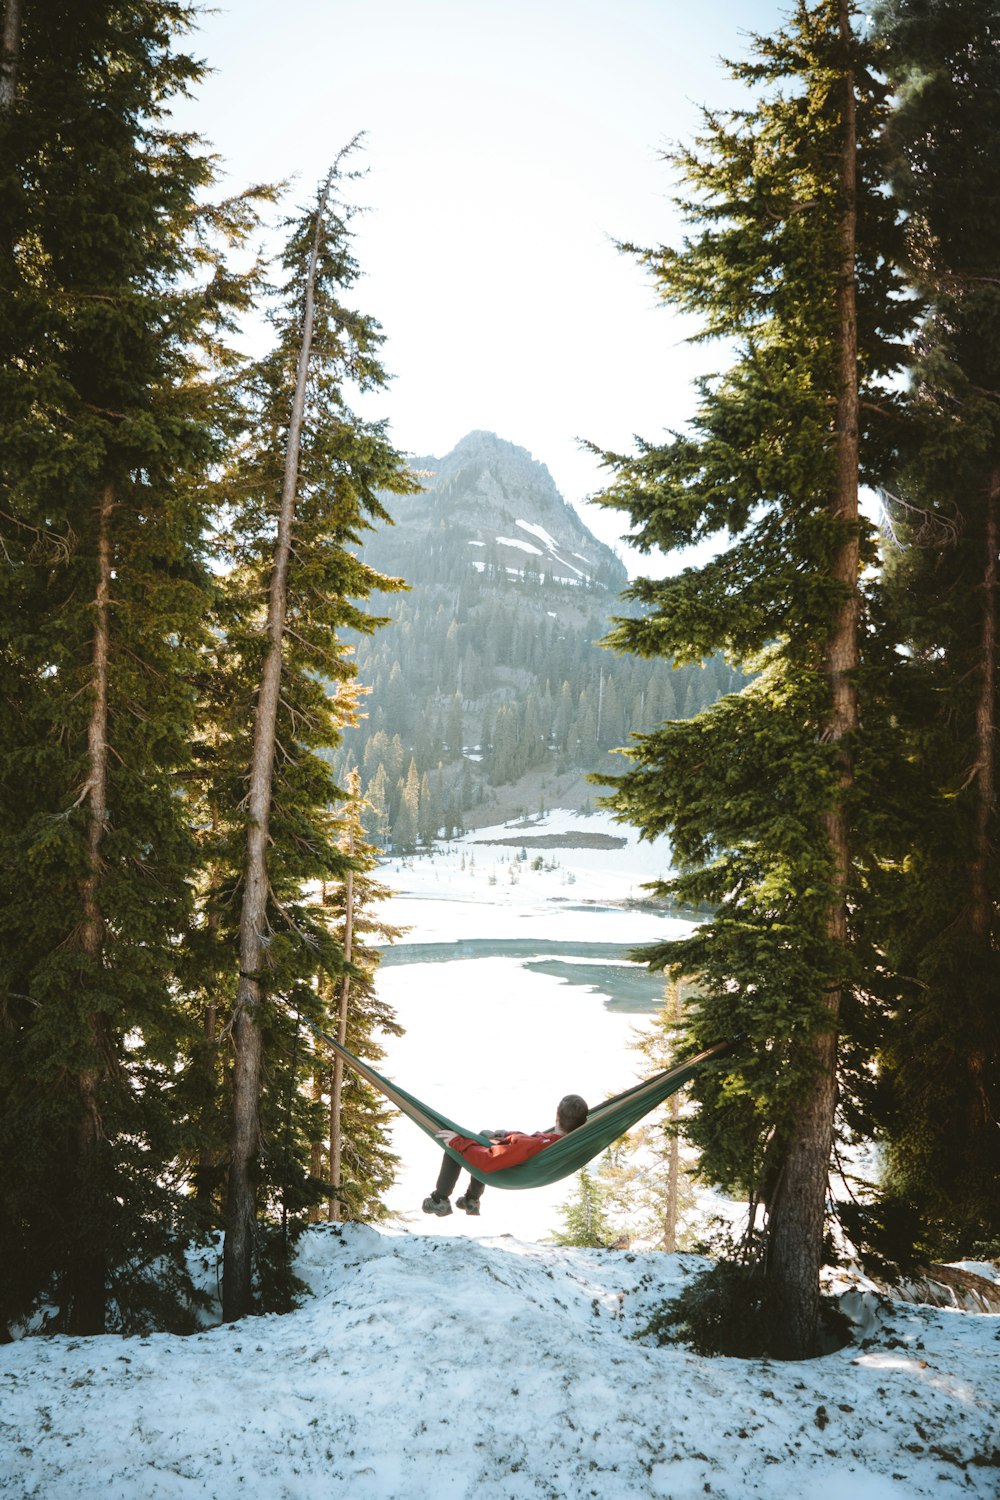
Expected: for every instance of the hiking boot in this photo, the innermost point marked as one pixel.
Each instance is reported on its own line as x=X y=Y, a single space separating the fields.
x=436 y=1205
x=471 y=1205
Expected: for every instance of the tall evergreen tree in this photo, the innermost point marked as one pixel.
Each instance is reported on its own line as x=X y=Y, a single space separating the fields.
x=110 y=308
x=360 y=1164
x=941 y=598
x=791 y=259
x=306 y=484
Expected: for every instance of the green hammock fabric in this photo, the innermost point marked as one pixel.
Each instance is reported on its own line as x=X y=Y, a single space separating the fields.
x=605 y=1123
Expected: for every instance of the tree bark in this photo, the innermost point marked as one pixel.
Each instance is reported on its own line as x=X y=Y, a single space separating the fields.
x=87 y=1274
x=673 y=1180
x=674 y=1159
x=981 y=1106
x=206 y=1170
x=337 y=1087
x=10 y=48
x=316 y=1149
x=245 y=1139
x=797 y=1212
x=981 y=907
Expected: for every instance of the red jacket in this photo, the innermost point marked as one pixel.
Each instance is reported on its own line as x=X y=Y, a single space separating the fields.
x=506 y=1152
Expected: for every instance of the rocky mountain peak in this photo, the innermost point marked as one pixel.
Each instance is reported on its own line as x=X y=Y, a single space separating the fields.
x=504 y=507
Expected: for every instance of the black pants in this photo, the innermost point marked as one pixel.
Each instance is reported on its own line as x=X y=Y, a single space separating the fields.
x=448 y=1177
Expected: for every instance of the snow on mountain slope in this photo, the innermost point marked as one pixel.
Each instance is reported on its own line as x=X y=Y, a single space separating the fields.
x=426 y=1369
x=484 y=491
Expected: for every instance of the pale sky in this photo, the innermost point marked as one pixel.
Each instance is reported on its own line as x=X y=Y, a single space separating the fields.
x=508 y=145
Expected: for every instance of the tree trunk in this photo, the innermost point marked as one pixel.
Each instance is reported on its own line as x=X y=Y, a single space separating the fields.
x=981 y=907
x=87 y=1274
x=245 y=1140
x=205 y=1173
x=981 y=1106
x=316 y=1149
x=797 y=1212
x=674 y=1159
x=673 y=1180
x=10 y=47
x=337 y=1087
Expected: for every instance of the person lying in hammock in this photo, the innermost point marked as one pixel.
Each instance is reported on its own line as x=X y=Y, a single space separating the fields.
x=509 y=1147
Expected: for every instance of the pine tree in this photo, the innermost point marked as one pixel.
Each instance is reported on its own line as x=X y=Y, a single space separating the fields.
x=376 y=818
x=110 y=314
x=429 y=818
x=453 y=731
x=307 y=482
x=792 y=260
x=406 y=827
x=584 y=1215
x=942 y=1062
x=664 y=1193
x=361 y=1166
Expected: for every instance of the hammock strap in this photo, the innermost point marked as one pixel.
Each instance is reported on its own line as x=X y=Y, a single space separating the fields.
x=421 y=1114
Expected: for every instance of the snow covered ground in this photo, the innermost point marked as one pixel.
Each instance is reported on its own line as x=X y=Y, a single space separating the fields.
x=493 y=1369
x=461 y=1359
x=475 y=887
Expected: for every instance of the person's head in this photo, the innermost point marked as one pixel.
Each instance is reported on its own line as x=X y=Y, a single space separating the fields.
x=571 y=1112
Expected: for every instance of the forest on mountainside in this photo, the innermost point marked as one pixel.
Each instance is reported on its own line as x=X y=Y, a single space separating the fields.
x=486 y=674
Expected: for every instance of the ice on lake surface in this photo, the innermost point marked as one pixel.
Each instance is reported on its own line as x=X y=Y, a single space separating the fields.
x=602 y=968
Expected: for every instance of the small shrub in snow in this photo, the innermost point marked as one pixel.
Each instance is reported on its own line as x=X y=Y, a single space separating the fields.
x=730 y=1310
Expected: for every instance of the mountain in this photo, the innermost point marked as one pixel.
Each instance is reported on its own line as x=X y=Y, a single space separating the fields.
x=491 y=503
x=489 y=695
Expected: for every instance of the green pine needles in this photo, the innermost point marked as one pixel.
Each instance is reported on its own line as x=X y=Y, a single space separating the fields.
x=839 y=813
x=939 y=595
x=113 y=308
x=791 y=261
x=142 y=475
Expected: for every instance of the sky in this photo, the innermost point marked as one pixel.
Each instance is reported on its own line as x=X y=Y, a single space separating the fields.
x=508 y=147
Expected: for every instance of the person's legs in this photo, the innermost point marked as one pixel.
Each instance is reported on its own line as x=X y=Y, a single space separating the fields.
x=439 y=1202
x=470 y=1198
x=447 y=1177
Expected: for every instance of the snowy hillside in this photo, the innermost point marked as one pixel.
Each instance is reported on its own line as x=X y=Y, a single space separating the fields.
x=432 y=1369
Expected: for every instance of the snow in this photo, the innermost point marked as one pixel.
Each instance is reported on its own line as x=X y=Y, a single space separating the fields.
x=464 y=1359
x=584 y=877
x=513 y=541
x=550 y=543
x=540 y=533
x=572 y=566
x=422 y=1368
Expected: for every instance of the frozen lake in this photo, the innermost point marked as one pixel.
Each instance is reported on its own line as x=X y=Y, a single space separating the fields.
x=514 y=990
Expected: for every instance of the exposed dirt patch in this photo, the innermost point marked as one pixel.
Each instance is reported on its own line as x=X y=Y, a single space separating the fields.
x=572 y=839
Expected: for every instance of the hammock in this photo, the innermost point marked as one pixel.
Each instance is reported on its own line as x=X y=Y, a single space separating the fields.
x=605 y=1123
